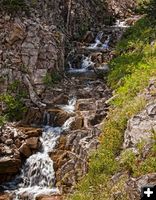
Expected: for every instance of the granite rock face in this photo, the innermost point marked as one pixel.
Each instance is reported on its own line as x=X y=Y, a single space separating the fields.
x=31 y=48
x=141 y=127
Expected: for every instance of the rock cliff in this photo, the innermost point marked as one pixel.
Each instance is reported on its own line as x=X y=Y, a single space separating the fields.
x=34 y=38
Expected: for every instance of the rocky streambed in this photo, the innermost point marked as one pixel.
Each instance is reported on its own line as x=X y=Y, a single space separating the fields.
x=51 y=159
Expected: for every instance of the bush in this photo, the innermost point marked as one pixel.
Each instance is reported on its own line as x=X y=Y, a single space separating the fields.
x=148 y=6
x=2 y=120
x=151 y=8
x=13 y=5
x=13 y=101
x=14 y=106
x=52 y=78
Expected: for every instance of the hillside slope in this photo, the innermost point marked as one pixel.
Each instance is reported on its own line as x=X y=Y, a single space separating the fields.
x=131 y=72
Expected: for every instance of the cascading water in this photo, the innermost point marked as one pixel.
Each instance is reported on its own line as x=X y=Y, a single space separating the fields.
x=46 y=118
x=97 y=40
x=98 y=44
x=85 y=64
x=106 y=43
x=121 y=24
x=70 y=107
x=37 y=175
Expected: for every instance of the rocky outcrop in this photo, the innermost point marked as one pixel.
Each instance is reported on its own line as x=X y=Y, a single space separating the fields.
x=16 y=144
x=122 y=8
x=140 y=131
x=30 y=51
x=141 y=127
x=134 y=185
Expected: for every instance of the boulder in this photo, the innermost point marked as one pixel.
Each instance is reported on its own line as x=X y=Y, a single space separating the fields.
x=88 y=37
x=57 y=117
x=25 y=150
x=5 y=197
x=70 y=156
x=17 y=33
x=82 y=74
x=97 y=57
x=58 y=99
x=9 y=141
x=77 y=123
x=9 y=165
x=97 y=119
x=59 y=158
x=30 y=131
x=85 y=104
x=101 y=69
x=88 y=116
x=32 y=142
x=18 y=143
x=140 y=127
x=32 y=116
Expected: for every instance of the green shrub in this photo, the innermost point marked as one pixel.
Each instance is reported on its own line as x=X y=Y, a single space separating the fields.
x=13 y=101
x=52 y=78
x=13 y=5
x=149 y=7
x=128 y=160
x=2 y=120
x=14 y=106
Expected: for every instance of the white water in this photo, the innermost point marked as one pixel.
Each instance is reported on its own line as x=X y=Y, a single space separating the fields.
x=70 y=108
x=106 y=43
x=86 y=62
x=66 y=125
x=37 y=174
x=121 y=24
x=97 y=40
x=98 y=43
x=46 y=118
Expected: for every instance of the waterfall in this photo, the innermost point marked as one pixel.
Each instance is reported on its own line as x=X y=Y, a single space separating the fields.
x=67 y=124
x=37 y=175
x=106 y=43
x=46 y=118
x=98 y=43
x=121 y=24
x=97 y=40
x=70 y=107
x=87 y=62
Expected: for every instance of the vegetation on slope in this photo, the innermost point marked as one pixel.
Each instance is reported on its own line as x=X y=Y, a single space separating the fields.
x=13 y=5
x=130 y=72
x=13 y=103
